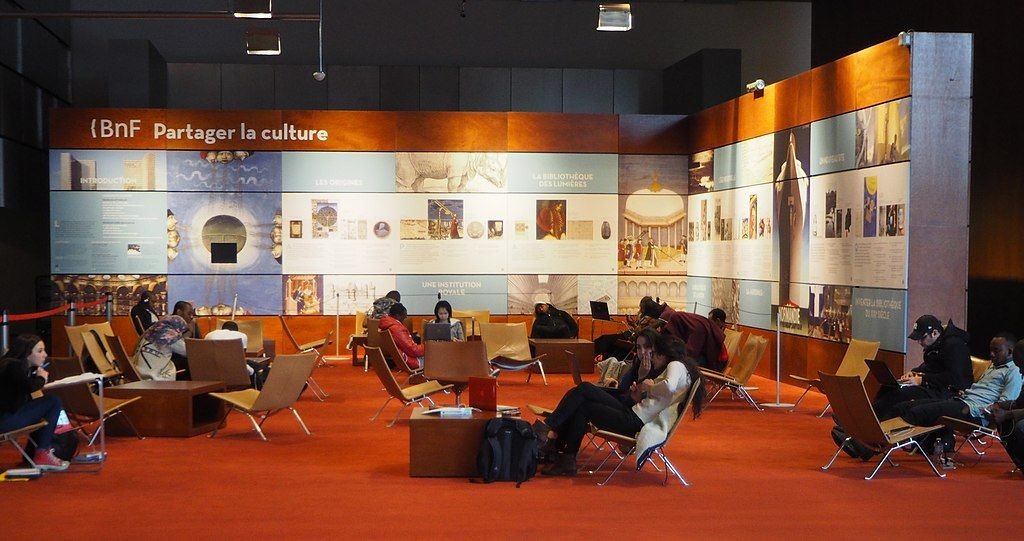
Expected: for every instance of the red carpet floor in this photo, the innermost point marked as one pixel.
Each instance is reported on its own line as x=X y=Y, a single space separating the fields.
x=753 y=475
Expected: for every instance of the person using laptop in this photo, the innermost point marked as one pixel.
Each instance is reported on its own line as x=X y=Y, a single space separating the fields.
x=1000 y=382
x=412 y=353
x=945 y=372
x=21 y=374
x=443 y=314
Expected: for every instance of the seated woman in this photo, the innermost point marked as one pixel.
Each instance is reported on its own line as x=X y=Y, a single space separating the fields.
x=412 y=352
x=21 y=374
x=165 y=338
x=550 y=322
x=662 y=376
x=443 y=314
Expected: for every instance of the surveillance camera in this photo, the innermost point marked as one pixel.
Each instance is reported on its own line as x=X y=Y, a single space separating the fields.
x=755 y=86
x=319 y=75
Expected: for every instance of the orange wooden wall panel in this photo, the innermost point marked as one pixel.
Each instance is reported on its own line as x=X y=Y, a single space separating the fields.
x=792 y=102
x=558 y=132
x=348 y=130
x=652 y=134
x=71 y=128
x=444 y=131
x=200 y=119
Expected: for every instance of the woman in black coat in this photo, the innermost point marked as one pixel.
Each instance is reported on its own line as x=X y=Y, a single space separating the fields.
x=22 y=373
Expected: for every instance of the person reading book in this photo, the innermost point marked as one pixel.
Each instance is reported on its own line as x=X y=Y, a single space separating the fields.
x=23 y=372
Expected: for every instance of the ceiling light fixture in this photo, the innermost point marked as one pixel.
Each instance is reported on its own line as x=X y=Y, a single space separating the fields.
x=614 y=18
x=252 y=9
x=263 y=42
x=320 y=74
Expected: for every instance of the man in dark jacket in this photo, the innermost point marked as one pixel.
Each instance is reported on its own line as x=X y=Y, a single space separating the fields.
x=550 y=322
x=945 y=372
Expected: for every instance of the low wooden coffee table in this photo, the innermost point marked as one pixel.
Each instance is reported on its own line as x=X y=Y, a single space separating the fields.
x=445 y=447
x=169 y=408
x=556 y=362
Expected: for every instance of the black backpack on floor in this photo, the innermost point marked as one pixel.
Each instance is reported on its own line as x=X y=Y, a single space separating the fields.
x=508 y=451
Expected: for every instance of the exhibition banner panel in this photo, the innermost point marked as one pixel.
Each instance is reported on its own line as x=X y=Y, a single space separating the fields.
x=451 y=234
x=563 y=173
x=463 y=292
x=451 y=172
x=829 y=313
x=108 y=170
x=652 y=233
x=108 y=232
x=730 y=233
x=744 y=163
x=791 y=235
x=883 y=133
x=342 y=233
x=793 y=311
x=303 y=294
x=654 y=173
x=223 y=171
x=859 y=227
x=596 y=288
x=568 y=234
x=699 y=296
x=352 y=293
x=526 y=290
x=214 y=295
x=338 y=171
x=670 y=289
x=881 y=314
x=792 y=153
x=755 y=304
x=223 y=233
x=833 y=144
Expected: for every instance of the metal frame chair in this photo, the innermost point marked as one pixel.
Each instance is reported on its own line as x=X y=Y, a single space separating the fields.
x=852 y=365
x=84 y=408
x=624 y=445
x=508 y=348
x=218 y=360
x=738 y=374
x=389 y=348
x=852 y=408
x=11 y=437
x=413 y=394
x=279 y=393
x=252 y=328
x=318 y=391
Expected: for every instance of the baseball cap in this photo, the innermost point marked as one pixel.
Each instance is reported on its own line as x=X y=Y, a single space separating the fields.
x=924 y=325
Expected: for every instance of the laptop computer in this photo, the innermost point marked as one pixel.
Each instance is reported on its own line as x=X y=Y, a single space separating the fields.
x=599 y=310
x=483 y=393
x=437 y=331
x=881 y=372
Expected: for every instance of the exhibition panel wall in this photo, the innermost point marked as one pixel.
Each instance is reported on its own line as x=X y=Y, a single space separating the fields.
x=792 y=208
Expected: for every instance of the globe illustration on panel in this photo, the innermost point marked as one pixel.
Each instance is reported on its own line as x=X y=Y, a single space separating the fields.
x=224 y=228
x=326 y=216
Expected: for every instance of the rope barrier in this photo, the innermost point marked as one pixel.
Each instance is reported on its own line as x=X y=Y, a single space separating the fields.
x=38 y=315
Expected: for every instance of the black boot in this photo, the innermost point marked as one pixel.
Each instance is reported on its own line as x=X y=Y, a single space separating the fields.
x=564 y=464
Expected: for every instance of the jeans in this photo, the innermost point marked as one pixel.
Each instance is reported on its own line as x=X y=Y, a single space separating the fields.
x=888 y=397
x=589 y=403
x=926 y=412
x=46 y=408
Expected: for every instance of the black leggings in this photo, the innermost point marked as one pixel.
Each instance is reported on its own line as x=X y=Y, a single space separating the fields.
x=589 y=403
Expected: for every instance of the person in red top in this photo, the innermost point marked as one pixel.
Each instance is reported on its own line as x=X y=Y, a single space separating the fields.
x=392 y=323
x=704 y=337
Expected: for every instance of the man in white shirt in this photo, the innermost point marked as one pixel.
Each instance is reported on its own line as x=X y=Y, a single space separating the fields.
x=229 y=331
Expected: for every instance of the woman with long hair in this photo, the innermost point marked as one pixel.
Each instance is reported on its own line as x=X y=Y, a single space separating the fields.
x=443 y=314
x=153 y=357
x=22 y=373
x=663 y=374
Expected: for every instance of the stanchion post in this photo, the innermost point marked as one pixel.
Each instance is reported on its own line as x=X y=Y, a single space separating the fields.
x=5 y=336
x=778 y=365
x=110 y=308
x=71 y=323
x=337 y=324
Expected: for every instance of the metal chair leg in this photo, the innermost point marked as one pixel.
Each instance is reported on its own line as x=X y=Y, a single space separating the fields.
x=928 y=459
x=256 y=426
x=824 y=411
x=381 y=410
x=616 y=469
x=397 y=415
x=318 y=391
x=835 y=456
x=222 y=419
x=540 y=366
x=801 y=399
x=670 y=467
x=299 y=419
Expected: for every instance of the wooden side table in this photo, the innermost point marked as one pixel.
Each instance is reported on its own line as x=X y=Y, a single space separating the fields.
x=179 y=409
x=445 y=446
x=556 y=362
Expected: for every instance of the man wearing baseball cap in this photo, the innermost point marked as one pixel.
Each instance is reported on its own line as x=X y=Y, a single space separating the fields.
x=945 y=372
